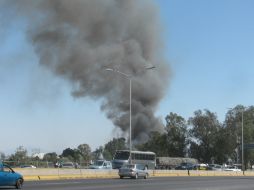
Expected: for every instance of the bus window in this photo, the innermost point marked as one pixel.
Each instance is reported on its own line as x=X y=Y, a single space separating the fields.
x=122 y=155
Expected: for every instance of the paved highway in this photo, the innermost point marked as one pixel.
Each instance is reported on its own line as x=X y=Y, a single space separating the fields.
x=155 y=183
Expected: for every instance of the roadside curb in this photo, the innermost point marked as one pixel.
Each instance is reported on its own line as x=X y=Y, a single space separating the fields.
x=39 y=178
x=95 y=174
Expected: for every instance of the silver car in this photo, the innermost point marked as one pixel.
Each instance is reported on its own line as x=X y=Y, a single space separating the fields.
x=134 y=171
x=101 y=164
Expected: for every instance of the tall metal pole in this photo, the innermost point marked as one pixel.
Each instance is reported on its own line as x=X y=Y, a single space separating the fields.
x=130 y=122
x=242 y=146
x=128 y=77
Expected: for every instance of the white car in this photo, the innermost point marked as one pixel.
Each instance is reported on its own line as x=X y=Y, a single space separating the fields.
x=101 y=164
x=232 y=168
x=28 y=166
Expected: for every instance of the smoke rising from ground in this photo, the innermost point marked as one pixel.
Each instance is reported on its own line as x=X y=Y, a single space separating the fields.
x=78 y=39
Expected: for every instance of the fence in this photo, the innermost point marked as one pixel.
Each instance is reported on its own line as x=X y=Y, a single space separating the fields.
x=41 y=164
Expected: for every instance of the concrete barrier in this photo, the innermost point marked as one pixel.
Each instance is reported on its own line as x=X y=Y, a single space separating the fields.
x=55 y=173
x=58 y=174
x=165 y=173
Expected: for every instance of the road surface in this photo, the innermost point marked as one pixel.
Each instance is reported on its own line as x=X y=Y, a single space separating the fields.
x=153 y=183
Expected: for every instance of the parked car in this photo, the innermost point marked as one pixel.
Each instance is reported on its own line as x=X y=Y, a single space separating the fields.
x=215 y=167
x=232 y=168
x=8 y=177
x=101 y=164
x=28 y=166
x=200 y=167
x=133 y=171
x=67 y=165
x=185 y=166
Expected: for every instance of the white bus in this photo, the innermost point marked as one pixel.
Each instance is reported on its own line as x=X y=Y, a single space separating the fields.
x=148 y=159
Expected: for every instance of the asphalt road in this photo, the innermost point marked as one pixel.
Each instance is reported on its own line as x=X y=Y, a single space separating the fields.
x=155 y=183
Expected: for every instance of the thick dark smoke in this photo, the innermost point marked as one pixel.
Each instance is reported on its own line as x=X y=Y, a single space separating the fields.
x=78 y=39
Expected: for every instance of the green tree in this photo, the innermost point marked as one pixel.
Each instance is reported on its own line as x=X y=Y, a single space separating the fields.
x=113 y=145
x=171 y=143
x=71 y=154
x=233 y=124
x=20 y=156
x=204 y=135
x=176 y=138
x=98 y=153
x=21 y=153
x=157 y=143
x=51 y=157
x=85 y=152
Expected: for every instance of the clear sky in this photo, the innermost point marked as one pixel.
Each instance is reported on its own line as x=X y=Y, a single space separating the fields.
x=209 y=45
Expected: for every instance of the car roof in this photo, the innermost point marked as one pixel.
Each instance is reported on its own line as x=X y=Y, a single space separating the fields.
x=134 y=164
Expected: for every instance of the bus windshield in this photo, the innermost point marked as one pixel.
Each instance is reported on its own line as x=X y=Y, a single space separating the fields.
x=122 y=155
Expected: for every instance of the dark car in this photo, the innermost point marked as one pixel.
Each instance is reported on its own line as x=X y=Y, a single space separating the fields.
x=133 y=171
x=10 y=178
x=67 y=165
x=215 y=167
x=185 y=166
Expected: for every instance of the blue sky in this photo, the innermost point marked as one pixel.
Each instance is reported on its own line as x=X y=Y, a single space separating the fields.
x=209 y=45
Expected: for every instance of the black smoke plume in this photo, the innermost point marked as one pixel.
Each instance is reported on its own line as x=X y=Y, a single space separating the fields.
x=78 y=39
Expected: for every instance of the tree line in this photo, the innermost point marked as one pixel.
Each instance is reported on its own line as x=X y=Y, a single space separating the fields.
x=205 y=138
x=201 y=136
x=82 y=154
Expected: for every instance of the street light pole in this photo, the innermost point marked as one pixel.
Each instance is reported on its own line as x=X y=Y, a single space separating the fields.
x=130 y=122
x=129 y=77
x=242 y=110
x=242 y=146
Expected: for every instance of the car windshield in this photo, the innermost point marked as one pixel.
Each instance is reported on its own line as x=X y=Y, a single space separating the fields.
x=186 y=164
x=7 y=168
x=122 y=155
x=67 y=164
x=98 y=163
x=128 y=166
